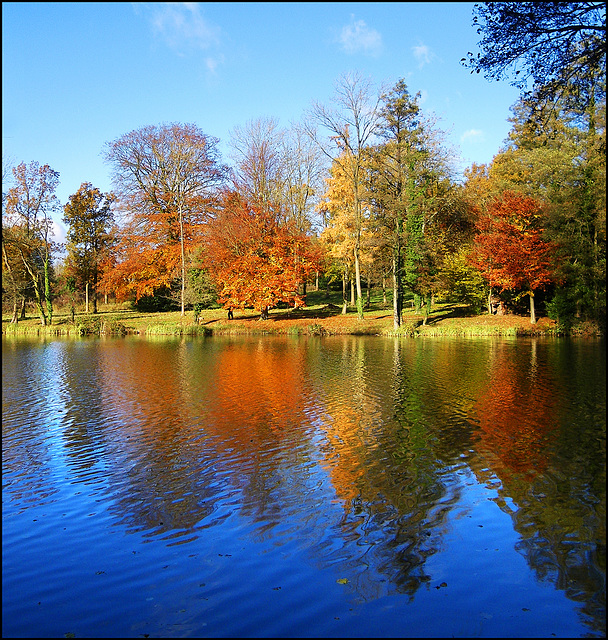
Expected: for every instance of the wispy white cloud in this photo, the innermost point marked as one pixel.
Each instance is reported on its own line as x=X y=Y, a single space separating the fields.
x=58 y=232
x=213 y=63
x=423 y=54
x=472 y=135
x=424 y=96
x=182 y=27
x=357 y=37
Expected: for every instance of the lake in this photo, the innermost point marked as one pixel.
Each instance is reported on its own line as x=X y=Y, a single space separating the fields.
x=277 y=486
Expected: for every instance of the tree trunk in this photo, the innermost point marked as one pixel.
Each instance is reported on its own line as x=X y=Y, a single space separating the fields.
x=37 y=291
x=39 y=300
x=41 y=315
x=183 y=259
x=532 y=311
x=398 y=263
x=47 y=291
x=86 y=297
x=426 y=309
x=95 y=293
x=397 y=301
x=6 y=265
x=358 y=282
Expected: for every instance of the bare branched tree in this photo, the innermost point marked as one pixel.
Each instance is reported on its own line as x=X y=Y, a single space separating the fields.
x=351 y=122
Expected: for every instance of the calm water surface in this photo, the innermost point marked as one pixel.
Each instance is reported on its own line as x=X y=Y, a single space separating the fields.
x=312 y=487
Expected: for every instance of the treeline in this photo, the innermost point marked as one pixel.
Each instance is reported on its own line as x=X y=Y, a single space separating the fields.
x=363 y=191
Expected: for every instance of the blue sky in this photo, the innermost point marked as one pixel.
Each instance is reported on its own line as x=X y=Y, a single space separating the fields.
x=78 y=75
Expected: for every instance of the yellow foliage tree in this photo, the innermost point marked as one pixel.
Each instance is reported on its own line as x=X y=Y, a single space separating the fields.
x=344 y=237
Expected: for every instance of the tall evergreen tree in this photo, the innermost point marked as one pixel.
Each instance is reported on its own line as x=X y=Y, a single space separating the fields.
x=408 y=171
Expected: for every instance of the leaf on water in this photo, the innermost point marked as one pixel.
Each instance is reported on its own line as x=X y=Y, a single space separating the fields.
x=342 y=580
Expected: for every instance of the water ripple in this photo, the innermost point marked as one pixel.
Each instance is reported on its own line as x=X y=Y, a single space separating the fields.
x=194 y=483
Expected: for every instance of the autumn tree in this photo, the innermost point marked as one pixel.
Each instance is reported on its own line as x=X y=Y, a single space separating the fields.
x=351 y=122
x=166 y=179
x=561 y=156
x=254 y=259
x=257 y=151
x=16 y=282
x=461 y=281
x=88 y=214
x=510 y=251
x=408 y=187
x=303 y=185
x=14 y=276
x=556 y=53
x=396 y=182
x=557 y=154
x=558 y=48
x=343 y=230
x=280 y=166
x=27 y=230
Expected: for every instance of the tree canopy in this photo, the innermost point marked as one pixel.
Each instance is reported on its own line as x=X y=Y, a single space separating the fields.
x=27 y=231
x=166 y=178
x=554 y=46
x=89 y=216
x=255 y=259
x=510 y=251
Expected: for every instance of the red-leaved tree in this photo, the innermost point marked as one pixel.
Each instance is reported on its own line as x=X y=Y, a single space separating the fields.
x=509 y=248
x=254 y=260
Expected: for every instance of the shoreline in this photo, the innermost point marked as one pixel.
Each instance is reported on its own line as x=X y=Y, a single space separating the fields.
x=320 y=320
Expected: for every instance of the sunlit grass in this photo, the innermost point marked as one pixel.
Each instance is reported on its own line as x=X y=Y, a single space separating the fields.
x=322 y=316
x=467 y=330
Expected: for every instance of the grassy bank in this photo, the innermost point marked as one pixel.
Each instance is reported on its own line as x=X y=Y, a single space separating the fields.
x=323 y=316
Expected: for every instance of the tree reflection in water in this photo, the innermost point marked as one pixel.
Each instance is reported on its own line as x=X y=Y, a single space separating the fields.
x=355 y=452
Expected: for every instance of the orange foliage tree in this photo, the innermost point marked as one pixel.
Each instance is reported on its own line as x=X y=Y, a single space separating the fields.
x=254 y=260
x=140 y=265
x=509 y=248
x=166 y=178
